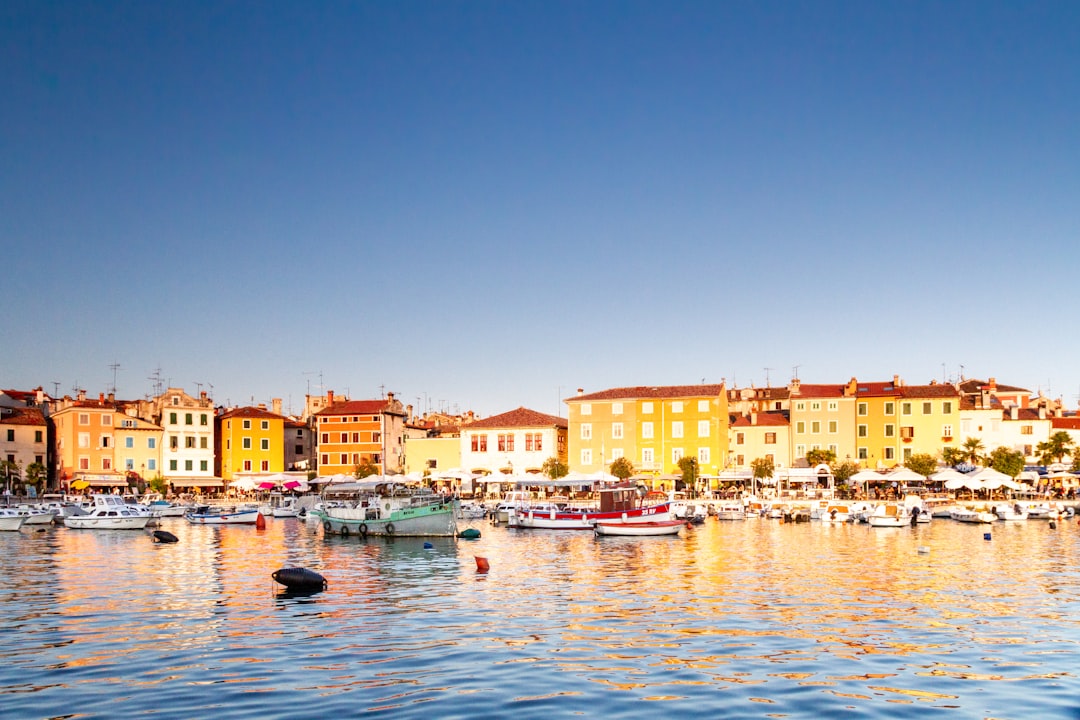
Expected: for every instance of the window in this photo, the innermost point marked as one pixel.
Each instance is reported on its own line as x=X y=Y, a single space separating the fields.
x=129 y=442
x=344 y=437
x=646 y=430
x=703 y=405
x=189 y=419
x=646 y=408
x=647 y=457
x=247 y=424
x=770 y=438
x=247 y=443
x=174 y=442
x=740 y=460
x=203 y=465
x=84 y=463
x=927 y=408
x=890 y=408
x=833 y=406
x=676 y=407
x=189 y=465
x=703 y=456
x=676 y=455
x=863 y=431
x=862 y=454
x=189 y=441
x=528 y=442
x=677 y=429
x=1026 y=430
x=356 y=437
x=907 y=454
x=889 y=454
x=265 y=424
x=127 y=423
x=11 y=435
x=740 y=438
x=832 y=427
x=84 y=440
x=298 y=449
x=890 y=430
x=106 y=420
x=800 y=406
x=586 y=456
x=905 y=408
x=703 y=428
x=946 y=407
x=202 y=419
x=482 y=445
x=203 y=443
x=586 y=408
x=616 y=408
x=538 y=442
x=325 y=439
x=151 y=443
x=151 y=464
x=265 y=443
x=800 y=427
x=37 y=436
x=506 y=442
x=815 y=426
x=616 y=453
x=84 y=418
x=616 y=431
x=324 y=459
x=247 y=466
x=344 y=458
x=106 y=463
x=586 y=431
x=946 y=432
x=265 y=465
x=1027 y=450
x=175 y=399
x=800 y=451
x=833 y=449
x=172 y=418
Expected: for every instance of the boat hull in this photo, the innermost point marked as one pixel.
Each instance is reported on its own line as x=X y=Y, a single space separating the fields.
x=89 y=522
x=11 y=523
x=246 y=517
x=423 y=521
x=639 y=529
x=554 y=520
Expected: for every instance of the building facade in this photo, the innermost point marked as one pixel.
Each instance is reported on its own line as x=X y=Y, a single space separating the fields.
x=518 y=441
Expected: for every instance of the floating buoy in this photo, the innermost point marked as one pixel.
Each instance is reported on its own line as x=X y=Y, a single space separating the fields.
x=299 y=579
x=1053 y=525
x=481 y=564
x=164 y=536
x=923 y=549
x=260 y=522
x=469 y=533
x=428 y=546
x=986 y=536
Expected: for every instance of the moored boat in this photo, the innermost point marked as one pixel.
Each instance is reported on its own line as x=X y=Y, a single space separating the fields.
x=967 y=515
x=639 y=529
x=210 y=515
x=890 y=514
x=389 y=508
x=109 y=512
x=10 y=520
x=621 y=501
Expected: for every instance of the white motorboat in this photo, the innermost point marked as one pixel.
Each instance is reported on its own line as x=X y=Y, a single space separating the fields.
x=731 y=511
x=471 y=510
x=36 y=515
x=890 y=514
x=210 y=515
x=621 y=501
x=1009 y=513
x=639 y=529
x=10 y=519
x=161 y=507
x=967 y=515
x=109 y=512
x=836 y=512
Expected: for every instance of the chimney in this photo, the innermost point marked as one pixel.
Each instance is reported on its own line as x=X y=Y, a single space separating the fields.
x=1042 y=412
x=262 y=406
x=896 y=381
x=389 y=397
x=1014 y=412
x=275 y=403
x=794 y=386
x=329 y=397
x=408 y=412
x=101 y=397
x=81 y=395
x=993 y=385
x=112 y=397
x=753 y=417
x=39 y=396
x=202 y=394
x=580 y=391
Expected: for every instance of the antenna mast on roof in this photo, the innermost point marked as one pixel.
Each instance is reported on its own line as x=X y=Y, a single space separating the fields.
x=767 y=377
x=795 y=371
x=115 y=366
x=156 y=377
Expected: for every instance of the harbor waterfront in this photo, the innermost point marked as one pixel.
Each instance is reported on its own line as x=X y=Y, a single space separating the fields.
x=753 y=618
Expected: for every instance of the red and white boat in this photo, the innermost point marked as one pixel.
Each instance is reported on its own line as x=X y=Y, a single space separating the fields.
x=640 y=529
x=620 y=502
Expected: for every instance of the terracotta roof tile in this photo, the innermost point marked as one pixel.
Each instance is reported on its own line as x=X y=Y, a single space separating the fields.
x=520 y=418
x=941 y=390
x=652 y=392
x=974 y=386
x=356 y=407
x=765 y=419
x=251 y=412
x=1065 y=423
x=819 y=391
x=22 y=416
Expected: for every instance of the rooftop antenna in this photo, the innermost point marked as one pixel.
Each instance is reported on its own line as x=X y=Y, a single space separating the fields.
x=767 y=377
x=313 y=372
x=795 y=371
x=382 y=390
x=961 y=372
x=56 y=388
x=115 y=366
x=156 y=378
x=198 y=387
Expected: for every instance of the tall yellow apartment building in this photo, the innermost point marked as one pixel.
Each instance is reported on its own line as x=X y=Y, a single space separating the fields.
x=251 y=440
x=653 y=426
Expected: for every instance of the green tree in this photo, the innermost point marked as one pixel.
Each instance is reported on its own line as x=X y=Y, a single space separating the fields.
x=1055 y=448
x=953 y=456
x=555 y=469
x=10 y=474
x=36 y=474
x=621 y=468
x=1008 y=461
x=689 y=468
x=922 y=463
x=762 y=467
x=1076 y=464
x=842 y=472
x=365 y=468
x=819 y=456
x=158 y=484
x=973 y=450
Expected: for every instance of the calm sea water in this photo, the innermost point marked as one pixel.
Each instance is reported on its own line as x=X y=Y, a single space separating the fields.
x=733 y=619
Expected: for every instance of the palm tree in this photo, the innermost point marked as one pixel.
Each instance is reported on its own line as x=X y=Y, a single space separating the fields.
x=1056 y=447
x=973 y=449
x=952 y=456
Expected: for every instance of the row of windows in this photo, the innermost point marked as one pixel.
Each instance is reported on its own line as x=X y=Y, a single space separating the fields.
x=245 y=443
x=189 y=442
x=189 y=419
x=907 y=408
x=345 y=418
x=648 y=431
x=677 y=406
x=349 y=437
x=534 y=442
x=704 y=456
x=38 y=435
x=246 y=425
x=347 y=459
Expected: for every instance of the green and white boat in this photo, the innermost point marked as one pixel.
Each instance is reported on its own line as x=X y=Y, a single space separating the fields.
x=389 y=508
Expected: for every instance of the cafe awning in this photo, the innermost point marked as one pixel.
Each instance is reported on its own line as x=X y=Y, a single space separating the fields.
x=196 y=481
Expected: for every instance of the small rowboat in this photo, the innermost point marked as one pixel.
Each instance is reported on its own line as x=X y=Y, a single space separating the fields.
x=640 y=529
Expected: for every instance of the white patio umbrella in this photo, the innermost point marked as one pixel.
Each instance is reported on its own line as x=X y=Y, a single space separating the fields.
x=992 y=479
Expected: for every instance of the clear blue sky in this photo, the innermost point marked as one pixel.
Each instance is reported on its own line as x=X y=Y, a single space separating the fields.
x=490 y=204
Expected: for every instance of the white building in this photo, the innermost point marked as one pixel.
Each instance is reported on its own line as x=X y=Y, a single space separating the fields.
x=517 y=442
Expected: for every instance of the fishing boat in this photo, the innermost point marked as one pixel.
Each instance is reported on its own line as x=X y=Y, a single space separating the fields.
x=389 y=508
x=639 y=529
x=109 y=512
x=10 y=520
x=621 y=501
x=213 y=515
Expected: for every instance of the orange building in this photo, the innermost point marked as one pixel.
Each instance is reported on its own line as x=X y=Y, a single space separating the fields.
x=353 y=432
x=85 y=444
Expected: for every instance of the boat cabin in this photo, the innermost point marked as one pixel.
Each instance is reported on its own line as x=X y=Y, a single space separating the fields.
x=620 y=497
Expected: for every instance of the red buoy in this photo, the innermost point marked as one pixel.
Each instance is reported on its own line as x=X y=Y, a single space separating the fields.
x=481 y=564
x=260 y=522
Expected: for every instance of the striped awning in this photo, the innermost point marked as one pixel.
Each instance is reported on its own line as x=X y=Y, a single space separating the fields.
x=196 y=481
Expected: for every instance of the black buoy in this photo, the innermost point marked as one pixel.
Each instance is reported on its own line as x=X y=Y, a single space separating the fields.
x=299 y=579
x=469 y=533
x=164 y=536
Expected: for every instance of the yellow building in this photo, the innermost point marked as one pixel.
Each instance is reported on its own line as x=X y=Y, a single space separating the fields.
x=760 y=435
x=877 y=437
x=929 y=419
x=430 y=455
x=823 y=417
x=654 y=427
x=138 y=446
x=251 y=440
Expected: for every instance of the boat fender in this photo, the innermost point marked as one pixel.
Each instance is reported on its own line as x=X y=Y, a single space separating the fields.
x=299 y=578
x=164 y=536
x=363 y=530
x=469 y=533
x=344 y=531
x=832 y=513
x=327 y=527
x=389 y=528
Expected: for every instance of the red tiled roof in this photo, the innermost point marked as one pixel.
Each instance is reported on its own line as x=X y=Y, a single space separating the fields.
x=876 y=389
x=520 y=418
x=1065 y=423
x=940 y=390
x=764 y=419
x=819 y=391
x=974 y=386
x=1025 y=414
x=652 y=392
x=22 y=416
x=294 y=424
x=356 y=407
x=251 y=412
x=26 y=397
